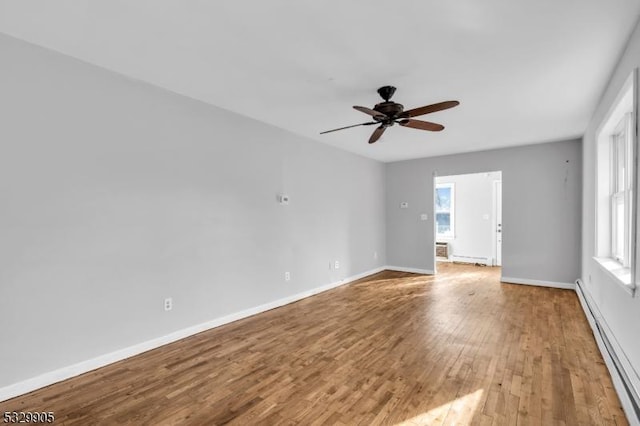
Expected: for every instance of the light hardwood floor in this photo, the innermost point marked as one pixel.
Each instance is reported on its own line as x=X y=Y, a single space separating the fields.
x=393 y=348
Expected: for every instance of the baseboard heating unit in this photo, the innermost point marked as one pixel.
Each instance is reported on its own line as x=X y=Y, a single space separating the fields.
x=620 y=369
x=471 y=259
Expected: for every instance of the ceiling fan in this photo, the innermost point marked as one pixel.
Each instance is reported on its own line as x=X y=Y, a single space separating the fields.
x=387 y=113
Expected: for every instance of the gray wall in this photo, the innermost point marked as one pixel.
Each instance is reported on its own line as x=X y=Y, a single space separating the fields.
x=620 y=312
x=115 y=194
x=541 y=187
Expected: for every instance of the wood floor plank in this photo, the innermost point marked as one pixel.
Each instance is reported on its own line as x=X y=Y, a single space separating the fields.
x=393 y=348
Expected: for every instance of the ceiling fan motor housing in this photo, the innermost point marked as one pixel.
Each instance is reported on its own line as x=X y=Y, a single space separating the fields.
x=391 y=109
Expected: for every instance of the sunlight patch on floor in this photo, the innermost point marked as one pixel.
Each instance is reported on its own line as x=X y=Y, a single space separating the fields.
x=460 y=410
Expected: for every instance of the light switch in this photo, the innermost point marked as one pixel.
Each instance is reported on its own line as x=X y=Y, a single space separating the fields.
x=424 y=216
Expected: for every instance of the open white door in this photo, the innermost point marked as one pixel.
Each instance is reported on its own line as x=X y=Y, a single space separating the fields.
x=497 y=223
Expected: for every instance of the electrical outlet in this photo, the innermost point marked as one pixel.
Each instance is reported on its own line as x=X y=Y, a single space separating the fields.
x=287 y=276
x=336 y=264
x=168 y=304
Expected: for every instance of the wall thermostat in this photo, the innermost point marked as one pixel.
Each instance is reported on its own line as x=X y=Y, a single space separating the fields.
x=404 y=205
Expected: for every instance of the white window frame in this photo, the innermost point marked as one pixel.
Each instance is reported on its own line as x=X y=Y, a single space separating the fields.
x=616 y=180
x=448 y=235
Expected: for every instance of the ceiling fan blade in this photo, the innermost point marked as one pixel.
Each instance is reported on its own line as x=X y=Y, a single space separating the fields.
x=422 y=125
x=429 y=109
x=348 y=127
x=371 y=112
x=376 y=134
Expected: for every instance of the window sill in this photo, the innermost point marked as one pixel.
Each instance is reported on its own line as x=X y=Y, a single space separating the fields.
x=615 y=270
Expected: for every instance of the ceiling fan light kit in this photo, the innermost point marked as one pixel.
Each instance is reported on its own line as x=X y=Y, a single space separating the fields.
x=388 y=113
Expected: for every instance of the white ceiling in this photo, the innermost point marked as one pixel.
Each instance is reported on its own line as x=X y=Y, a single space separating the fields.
x=524 y=71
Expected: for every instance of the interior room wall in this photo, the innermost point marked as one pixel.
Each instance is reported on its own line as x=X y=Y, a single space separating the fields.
x=474 y=235
x=116 y=195
x=618 y=312
x=541 y=205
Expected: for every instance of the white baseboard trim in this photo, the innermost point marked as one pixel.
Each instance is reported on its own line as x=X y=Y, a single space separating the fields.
x=553 y=284
x=411 y=270
x=599 y=327
x=70 y=371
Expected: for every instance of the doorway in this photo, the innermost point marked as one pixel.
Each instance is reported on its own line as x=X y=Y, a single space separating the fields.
x=468 y=218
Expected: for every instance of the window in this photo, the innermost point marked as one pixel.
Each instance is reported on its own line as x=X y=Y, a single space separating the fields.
x=621 y=185
x=445 y=213
x=615 y=189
